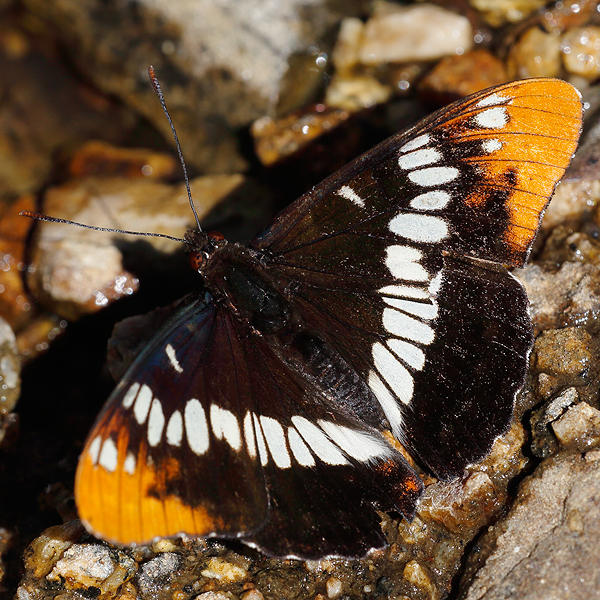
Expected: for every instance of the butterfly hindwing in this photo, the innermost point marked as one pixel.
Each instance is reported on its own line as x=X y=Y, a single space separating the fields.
x=225 y=443
x=137 y=476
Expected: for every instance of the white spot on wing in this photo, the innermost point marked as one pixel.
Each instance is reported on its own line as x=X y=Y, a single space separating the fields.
x=249 y=435
x=419 y=228
x=129 y=464
x=434 y=200
x=418 y=142
x=491 y=145
x=423 y=310
x=388 y=403
x=394 y=372
x=419 y=158
x=347 y=192
x=156 y=422
x=414 y=357
x=196 y=427
x=404 y=291
x=109 y=456
x=225 y=426
x=130 y=395
x=492 y=118
x=175 y=429
x=433 y=176
x=402 y=263
x=262 y=446
x=94 y=450
x=300 y=449
x=400 y=325
x=318 y=442
x=276 y=442
x=360 y=445
x=142 y=404
x=491 y=100
x=436 y=283
x=173 y=358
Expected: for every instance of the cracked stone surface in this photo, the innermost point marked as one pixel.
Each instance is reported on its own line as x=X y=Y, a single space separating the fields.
x=547 y=545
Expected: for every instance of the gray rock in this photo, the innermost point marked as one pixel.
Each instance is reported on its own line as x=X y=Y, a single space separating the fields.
x=10 y=371
x=547 y=546
x=221 y=64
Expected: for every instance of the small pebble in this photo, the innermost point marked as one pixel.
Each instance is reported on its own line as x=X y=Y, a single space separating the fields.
x=414 y=33
x=581 y=51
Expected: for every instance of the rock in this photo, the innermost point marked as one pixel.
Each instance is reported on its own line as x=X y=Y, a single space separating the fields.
x=78 y=271
x=356 y=92
x=277 y=139
x=10 y=371
x=158 y=572
x=395 y=34
x=456 y=76
x=97 y=158
x=535 y=54
x=572 y=201
x=500 y=12
x=564 y=352
x=568 y=296
x=559 y=17
x=66 y=114
x=546 y=547
x=252 y=594
x=461 y=504
x=543 y=442
x=346 y=52
x=416 y=574
x=579 y=428
x=225 y=570
x=334 y=587
x=581 y=51
x=215 y=82
x=15 y=305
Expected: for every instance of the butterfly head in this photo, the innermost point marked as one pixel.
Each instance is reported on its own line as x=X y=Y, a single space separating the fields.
x=201 y=246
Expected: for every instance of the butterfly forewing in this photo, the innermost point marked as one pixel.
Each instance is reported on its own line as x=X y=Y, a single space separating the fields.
x=376 y=301
x=392 y=259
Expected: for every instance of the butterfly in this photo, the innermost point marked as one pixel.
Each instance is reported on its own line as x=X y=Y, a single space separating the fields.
x=377 y=302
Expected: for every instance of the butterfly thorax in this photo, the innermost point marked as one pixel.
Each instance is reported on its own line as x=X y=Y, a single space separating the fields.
x=234 y=274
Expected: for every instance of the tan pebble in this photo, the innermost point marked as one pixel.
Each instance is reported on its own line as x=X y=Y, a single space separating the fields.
x=564 y=351
x=345 y=52
x=579 y=427
x=414 y=573
x=581 y=51
x=217 y=568
x=414 y=33
x=334 y=587
x=355 y=93
x=499 y=12
x=253 y=594
x=535 y=54
x=164 y=545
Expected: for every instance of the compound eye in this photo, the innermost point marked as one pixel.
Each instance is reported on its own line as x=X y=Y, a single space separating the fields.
x=197 y=260
x=215 y=236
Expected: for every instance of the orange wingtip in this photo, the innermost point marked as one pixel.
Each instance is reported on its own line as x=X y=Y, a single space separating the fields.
x=540 y=123
x=121 y=501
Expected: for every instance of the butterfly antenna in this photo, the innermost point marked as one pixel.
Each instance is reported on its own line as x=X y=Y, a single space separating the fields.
x=161 y=99
x=40 y=217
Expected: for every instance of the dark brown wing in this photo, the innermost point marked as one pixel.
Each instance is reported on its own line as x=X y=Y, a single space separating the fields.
x=394 y=261
x=212 y=432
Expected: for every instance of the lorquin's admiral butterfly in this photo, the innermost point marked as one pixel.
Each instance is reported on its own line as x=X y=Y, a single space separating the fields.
x=377 y=301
